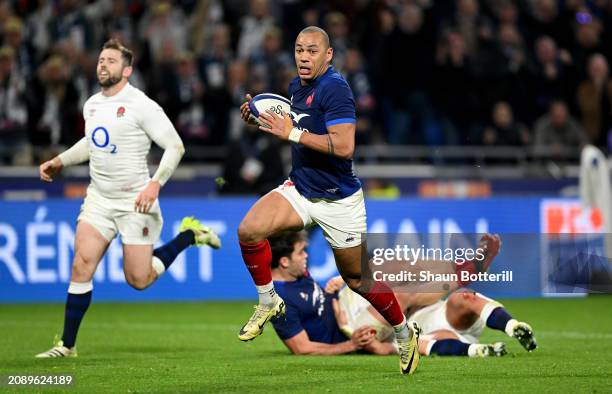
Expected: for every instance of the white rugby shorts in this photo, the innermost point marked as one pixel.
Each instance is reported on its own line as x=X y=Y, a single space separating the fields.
x=358 y=315
x=112 y=216
x=343 y=221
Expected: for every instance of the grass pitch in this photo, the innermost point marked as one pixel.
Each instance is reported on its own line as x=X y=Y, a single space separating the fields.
x=193 y=347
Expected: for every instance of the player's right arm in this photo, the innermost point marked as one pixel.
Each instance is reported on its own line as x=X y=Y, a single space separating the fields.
x=77 y=154
x=302 y=345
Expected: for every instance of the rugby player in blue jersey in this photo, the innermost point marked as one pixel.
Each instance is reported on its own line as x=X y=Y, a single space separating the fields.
x=322 y=189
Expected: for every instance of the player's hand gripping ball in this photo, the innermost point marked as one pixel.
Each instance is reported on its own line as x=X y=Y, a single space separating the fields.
x=268 y=102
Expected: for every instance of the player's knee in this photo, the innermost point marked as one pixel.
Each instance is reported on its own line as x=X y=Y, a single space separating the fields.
x=249 y=232
x=355 y=284
x=82 y=268
x=138 y=282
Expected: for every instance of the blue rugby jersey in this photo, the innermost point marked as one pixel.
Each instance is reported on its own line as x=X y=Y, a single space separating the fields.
x=326 y=101
x=308 y=308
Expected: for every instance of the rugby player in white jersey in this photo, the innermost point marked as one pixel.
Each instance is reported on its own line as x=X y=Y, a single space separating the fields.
x=120 y=123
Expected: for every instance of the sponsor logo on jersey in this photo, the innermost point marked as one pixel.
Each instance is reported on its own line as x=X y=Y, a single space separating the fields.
x=145 y=231
x=120 y=112
x=304 y=296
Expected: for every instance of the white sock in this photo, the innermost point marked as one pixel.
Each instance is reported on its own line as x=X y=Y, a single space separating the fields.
x=472 y=350
x=429 y=346
x=488 y=309
x=402 y=331
x=267 y=294
x=510 y=327
x=158 y=266
x=80 y=287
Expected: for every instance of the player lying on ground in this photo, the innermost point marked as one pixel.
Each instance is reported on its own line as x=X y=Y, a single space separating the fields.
x=322 y=190
x=319 y=322
x=120 y=123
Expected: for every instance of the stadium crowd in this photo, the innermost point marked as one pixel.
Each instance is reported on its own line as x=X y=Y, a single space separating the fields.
x=461 y=72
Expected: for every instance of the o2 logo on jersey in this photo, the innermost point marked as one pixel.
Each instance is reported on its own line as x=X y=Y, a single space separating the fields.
x=101 y=139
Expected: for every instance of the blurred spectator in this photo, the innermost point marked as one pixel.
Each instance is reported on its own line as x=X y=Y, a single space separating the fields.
x=587 y=32
x=270 y=59
x=161 y=27
x=163 y=81
x=516 y=70
x=24 y=53
x=214 y=61
x=545 y=19
x=254 y=164
x=207 y=15
x=38 y=23
x=117 y=23
x=557 y=129
x=594 y=100
x=253 y=28
x=13 y=115
x=357 y=78
x=69 y=22
x=237 y=77
x=456 y=95
x=504 y=129
x=190 y=94
x=554 y=75
x=52 y=103
x=407 y=65
x=337 y=28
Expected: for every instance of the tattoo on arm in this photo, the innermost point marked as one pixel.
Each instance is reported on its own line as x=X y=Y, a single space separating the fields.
x=330 y=145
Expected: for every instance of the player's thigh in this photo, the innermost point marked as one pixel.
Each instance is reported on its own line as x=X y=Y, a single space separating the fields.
x=137 y=263
x=271 y=214
x=349 y=263
x=89 y=248
x=138 y=228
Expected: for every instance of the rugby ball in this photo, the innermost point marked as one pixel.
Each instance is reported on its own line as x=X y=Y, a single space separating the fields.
x=269 y=102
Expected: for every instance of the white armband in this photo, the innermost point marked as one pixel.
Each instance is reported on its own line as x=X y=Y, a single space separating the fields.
x=78 y=153
x=295 y=134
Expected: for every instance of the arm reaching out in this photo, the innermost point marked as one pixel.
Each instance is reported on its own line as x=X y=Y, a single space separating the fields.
x=78 y=153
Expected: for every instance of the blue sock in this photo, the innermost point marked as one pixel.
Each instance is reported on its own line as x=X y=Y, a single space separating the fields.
x=498 y=319
x=76 y=306
x=168 y=252
x=449 y=347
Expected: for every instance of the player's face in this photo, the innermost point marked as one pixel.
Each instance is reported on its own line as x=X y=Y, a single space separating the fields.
x=111 y=68
x=311 y=55
x=298 y=260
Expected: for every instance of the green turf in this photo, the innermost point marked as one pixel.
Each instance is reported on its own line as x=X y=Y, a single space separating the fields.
x=192 y=347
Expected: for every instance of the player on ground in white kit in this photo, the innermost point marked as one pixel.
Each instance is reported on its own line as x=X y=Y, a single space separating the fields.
x=120 y=123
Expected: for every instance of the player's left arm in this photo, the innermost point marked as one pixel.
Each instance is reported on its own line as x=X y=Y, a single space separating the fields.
x=160 y=129
x=338 y=105
x=339 y=140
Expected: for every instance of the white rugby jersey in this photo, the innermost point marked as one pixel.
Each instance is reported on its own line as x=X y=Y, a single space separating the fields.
x=119 y=130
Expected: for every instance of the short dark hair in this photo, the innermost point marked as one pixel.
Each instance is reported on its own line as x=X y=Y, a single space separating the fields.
x=317 y=29
x=282 y=245
x=126 y=54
